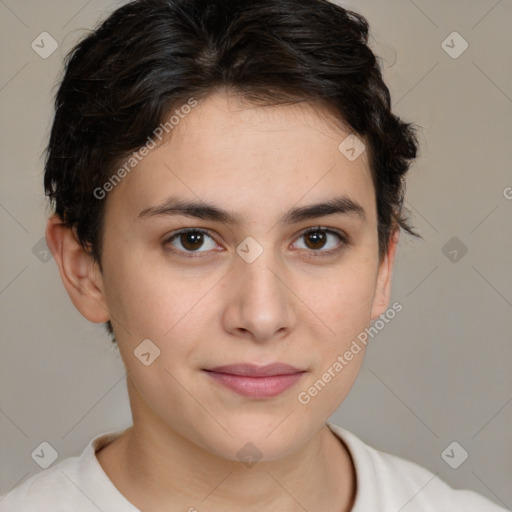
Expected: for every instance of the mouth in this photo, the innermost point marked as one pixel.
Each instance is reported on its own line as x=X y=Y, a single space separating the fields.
x=256 y=381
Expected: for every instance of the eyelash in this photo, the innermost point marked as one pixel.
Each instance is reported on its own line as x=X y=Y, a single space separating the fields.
x=344 y=239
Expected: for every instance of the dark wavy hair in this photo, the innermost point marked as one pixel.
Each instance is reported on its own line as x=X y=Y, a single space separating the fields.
x=151 y=56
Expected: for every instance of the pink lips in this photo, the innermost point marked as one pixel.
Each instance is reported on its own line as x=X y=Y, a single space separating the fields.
x=256 y=381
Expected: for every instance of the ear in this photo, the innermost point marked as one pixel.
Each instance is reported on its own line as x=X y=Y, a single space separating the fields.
x=79 y=272
x=384 y=275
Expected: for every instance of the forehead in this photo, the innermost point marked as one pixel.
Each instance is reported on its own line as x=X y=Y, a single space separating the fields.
x=250 y=157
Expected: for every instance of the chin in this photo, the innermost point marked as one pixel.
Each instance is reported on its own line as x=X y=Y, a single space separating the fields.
x=263 y=439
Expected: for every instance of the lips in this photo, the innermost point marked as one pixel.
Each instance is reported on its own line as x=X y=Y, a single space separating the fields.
x=256 y=381
x=251 y=370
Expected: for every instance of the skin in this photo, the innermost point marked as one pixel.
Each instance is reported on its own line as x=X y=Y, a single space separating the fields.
x=217 y=309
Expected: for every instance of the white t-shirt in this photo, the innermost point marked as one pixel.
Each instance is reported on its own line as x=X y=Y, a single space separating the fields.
x=385 y=483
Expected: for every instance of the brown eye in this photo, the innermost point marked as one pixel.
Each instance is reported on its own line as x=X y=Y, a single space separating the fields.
x=323 y=241
x=190 y=240
x=315 y=239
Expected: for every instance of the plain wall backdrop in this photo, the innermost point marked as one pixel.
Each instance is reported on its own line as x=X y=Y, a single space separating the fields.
x=439 y=372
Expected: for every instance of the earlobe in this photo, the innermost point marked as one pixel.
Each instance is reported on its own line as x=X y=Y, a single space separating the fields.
x=384 y=277
x=78 y=271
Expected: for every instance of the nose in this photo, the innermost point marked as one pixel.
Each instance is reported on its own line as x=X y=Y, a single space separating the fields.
x=260 y=303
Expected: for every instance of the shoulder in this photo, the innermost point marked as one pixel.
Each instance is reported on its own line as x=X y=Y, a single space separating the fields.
x=50 y=489
x=76 y=483
x=387 y=482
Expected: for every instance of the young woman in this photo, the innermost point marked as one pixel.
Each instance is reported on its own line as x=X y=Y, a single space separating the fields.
x=228 y=181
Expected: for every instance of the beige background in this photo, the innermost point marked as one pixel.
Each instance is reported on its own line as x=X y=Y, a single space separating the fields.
x=441 y=371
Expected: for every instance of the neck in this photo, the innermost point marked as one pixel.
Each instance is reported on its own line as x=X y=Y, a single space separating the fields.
x=155 y=467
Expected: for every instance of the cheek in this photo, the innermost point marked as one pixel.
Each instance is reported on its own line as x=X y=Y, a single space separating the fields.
x=346 y=312
x=146 y=298
x=347 y=301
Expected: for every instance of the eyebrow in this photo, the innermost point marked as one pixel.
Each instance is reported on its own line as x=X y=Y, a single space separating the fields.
x=341 y=205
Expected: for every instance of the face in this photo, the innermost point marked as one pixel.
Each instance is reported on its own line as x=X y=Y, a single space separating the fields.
x=255 y=289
